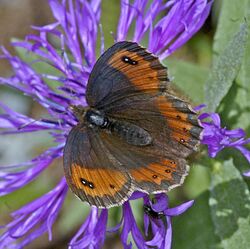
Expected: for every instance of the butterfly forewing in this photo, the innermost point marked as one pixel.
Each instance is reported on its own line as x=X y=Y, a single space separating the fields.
x=124 y=69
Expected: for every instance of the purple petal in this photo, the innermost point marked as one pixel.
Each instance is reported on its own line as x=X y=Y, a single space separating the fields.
x=130 y=226
x=168 y=237
x=179 y=209
x=191 y=22
x=137 y=195
x=161 y=204
x=247 y=174
x=183 y=20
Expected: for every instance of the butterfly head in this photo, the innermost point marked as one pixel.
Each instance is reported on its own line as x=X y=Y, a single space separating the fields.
x=79 y=111
x=89 y=115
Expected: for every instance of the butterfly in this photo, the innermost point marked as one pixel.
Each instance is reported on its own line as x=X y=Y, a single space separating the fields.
x=133 y=135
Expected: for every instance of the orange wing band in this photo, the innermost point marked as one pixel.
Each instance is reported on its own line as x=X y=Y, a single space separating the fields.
x=98 y=182
x=140 y=74
x=155 y=172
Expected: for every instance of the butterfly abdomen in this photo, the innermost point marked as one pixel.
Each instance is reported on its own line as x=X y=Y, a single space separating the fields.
x=131 y=133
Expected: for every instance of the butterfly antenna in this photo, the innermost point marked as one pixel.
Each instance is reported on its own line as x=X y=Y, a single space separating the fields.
x=78 y=110
x=26 y=124
x=58 y=121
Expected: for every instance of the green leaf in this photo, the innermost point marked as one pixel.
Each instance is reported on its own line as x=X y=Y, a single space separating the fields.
x=194 y=229
x=197 y=182
x=242 y=98
x=225 y=69
x=237 y=112
x=232 y=14
x=230 y=206
x=189 y=77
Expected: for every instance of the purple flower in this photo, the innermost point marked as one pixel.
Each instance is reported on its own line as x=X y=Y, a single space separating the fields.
x=76 y=29
x=162 y=234
x=217 y=138
x=42 y=211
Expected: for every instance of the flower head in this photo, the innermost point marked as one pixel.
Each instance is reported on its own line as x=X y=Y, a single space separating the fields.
x=218 y=138
x=76 y=28
x=162 y=235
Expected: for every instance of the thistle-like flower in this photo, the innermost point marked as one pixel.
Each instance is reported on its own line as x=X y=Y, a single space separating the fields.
x=217 y=138
x=76 y=26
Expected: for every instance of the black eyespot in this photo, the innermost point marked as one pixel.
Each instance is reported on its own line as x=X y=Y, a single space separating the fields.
x=83 y=181
x=167 y=170
x=178 y=116
x=154 y=176
x=87 y=183
x=91 y=185
x=112 y=186
x=182 y=140
x=172 y=162
x=128 y=60
x=185 y=129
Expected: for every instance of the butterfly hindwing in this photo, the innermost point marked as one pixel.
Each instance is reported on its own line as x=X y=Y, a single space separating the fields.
x=92 y=172
x=152 y=170
x=175 y=131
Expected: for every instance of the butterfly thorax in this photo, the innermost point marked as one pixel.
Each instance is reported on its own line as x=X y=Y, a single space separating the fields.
x=126 y=131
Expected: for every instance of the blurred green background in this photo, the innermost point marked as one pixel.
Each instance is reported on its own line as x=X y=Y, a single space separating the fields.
x=190 y=67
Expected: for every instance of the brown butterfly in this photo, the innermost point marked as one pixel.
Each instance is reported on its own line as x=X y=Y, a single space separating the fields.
x=134 y=135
